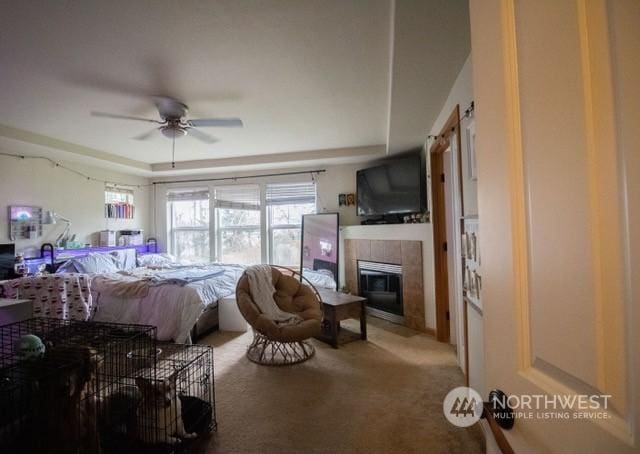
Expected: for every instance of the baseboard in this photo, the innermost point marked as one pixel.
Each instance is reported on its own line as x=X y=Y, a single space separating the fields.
x=430 y=331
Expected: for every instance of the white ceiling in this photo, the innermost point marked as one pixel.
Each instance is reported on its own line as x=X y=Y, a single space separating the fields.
x=303 y=75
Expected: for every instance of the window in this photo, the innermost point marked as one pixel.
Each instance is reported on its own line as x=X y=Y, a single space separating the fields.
x=236 y=230
x=237 y=211
x=286 y=203
x=188 y=219
x=118 y=203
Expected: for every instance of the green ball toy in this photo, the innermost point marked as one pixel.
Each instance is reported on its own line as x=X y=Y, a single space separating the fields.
x=30 y=347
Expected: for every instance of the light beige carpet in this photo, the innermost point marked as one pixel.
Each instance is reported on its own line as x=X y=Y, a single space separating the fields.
x=380 y=396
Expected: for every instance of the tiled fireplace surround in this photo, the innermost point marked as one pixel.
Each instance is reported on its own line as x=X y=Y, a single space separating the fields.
x=398 y=252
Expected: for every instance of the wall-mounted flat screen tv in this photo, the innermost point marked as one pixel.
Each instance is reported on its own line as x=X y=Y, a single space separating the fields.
x=397 y=186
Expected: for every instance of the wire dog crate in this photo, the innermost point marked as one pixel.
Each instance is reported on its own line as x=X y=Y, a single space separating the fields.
x=53 y=374
x=173 y=404
x=177 y=398
x=87 y=387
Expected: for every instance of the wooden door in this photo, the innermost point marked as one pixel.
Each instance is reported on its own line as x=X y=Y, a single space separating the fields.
x=557 y=111
x=438 y=213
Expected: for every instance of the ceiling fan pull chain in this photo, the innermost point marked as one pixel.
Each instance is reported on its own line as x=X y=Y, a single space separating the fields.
x=173 y=153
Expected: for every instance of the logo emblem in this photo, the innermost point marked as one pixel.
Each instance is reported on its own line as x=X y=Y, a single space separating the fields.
x=462 y=407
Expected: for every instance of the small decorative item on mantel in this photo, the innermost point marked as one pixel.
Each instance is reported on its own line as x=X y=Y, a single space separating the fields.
x=416 y=218
x=351 y=199
x=346 y=199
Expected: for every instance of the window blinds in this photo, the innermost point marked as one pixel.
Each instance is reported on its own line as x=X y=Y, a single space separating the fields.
x=291 y=193
x=238 y=197
x=175 y=195
x=247 y=197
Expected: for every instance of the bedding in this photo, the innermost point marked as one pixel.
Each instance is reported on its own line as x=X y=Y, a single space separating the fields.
x=145 y=296
x=185 y=275
x=62 y=296
x=320 y=278
x=156 y=260
x=126 y=259
x=161 y=292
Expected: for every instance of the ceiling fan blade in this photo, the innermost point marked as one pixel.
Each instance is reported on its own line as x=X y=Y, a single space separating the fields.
x=219 y=122
x=201 y=136
x=123 y=117
x=145 y=135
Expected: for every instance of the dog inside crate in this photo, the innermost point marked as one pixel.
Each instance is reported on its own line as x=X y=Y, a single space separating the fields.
x=88 y=387
x=166 y=406
x=48 y=404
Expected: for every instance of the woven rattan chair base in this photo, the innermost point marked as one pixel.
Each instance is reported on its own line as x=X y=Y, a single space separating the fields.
x=273 y=353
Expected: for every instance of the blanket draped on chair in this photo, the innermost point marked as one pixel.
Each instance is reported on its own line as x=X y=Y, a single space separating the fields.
x=262 y=290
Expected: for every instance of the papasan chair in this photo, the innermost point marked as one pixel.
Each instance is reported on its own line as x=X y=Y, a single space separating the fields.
x=279 y=345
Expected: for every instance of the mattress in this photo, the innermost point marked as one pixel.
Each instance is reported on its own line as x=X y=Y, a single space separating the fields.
x=174 y=309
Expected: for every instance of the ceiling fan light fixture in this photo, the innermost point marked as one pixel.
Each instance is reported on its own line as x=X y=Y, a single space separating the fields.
x=173 y=132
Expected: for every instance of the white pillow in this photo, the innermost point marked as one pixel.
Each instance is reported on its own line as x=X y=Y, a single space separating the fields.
x=95 y=262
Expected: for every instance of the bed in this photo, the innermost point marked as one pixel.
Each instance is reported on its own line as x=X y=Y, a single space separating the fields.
x=148 y=296
x=153 y=289
x=181 y=300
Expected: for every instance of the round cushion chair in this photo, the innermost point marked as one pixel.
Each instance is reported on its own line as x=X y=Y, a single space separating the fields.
x=281 y=344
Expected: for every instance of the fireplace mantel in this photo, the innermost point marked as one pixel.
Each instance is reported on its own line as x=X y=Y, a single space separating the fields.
x=409 y=245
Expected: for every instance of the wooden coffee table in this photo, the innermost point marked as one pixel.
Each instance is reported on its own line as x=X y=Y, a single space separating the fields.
x=341 y=306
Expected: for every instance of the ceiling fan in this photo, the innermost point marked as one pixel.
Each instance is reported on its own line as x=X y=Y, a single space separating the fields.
x=173 y=123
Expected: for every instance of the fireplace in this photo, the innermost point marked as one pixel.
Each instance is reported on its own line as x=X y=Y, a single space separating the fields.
x=406 y=259
x=381 y=284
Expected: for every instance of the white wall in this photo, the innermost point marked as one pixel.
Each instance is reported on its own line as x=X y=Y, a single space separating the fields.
x=462 y=94
x=430 y=43
x=38 y=182
x=339 y=180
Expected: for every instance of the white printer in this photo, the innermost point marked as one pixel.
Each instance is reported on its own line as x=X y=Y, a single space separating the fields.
x=130 y=238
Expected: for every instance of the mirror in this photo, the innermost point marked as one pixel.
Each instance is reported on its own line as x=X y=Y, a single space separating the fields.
x=319 y=262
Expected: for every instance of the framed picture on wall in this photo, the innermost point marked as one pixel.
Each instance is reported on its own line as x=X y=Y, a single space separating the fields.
x=471 y=247
x=471 y=150
x=463 y=245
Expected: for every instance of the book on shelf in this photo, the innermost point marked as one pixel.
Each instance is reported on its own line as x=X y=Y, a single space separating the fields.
x=119 y=210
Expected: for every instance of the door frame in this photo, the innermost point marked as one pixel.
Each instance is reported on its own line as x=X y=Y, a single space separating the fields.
x=436 y=155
